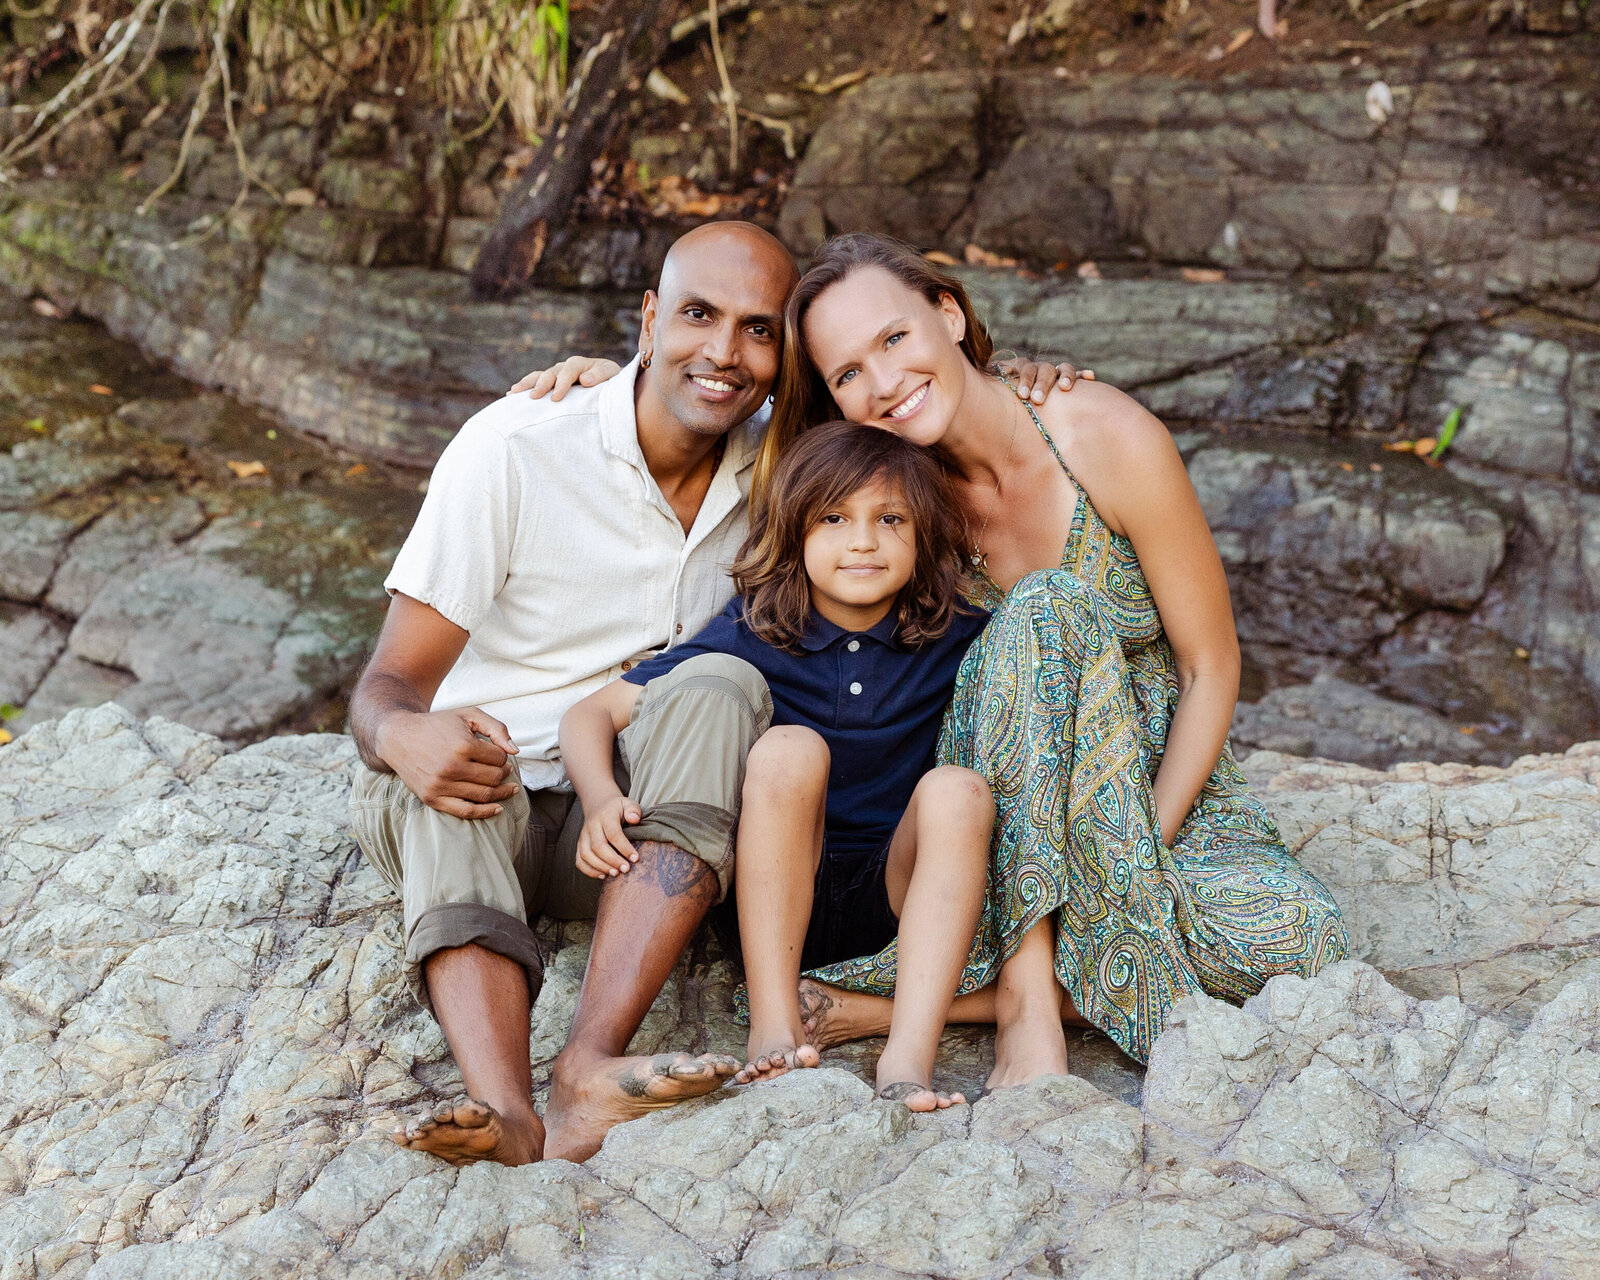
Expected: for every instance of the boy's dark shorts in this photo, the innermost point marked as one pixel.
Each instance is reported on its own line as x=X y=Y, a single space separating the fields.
x=850 y=914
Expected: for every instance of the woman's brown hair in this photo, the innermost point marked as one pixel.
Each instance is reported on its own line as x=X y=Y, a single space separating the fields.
x=802 y=400
x=826 y=465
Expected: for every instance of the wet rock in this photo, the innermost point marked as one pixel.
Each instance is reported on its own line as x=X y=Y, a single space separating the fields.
x=205 y=1024
x=1340 y=721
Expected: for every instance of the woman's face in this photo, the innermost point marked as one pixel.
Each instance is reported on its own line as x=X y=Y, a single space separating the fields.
x=888 y=356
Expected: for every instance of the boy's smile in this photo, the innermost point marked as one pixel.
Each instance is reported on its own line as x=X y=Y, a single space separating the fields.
x=859 y=555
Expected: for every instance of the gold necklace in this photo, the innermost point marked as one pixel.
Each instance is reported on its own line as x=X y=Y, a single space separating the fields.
x=980 y=559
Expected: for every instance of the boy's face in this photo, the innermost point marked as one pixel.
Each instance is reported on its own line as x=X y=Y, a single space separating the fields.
x=859 y=555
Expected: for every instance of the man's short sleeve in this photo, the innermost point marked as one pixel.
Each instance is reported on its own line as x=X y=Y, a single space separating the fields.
x=722 y=634
x=458 y=553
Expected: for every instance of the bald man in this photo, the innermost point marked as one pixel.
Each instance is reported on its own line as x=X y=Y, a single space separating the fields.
x=559 y=545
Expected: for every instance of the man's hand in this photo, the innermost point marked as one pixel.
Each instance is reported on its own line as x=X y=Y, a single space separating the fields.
x=458 y=762
x=603 y=850
x=556 y=381
x=1032 y=378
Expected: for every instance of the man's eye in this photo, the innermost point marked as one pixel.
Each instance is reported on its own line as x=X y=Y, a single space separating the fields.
x=694 y=313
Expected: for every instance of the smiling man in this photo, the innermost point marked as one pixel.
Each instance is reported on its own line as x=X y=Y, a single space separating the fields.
x=559 y=545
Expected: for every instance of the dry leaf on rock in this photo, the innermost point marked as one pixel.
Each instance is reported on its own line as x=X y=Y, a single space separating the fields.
x=1202 y=275
x=978 y=256
x=100 y=389
x=244 y=470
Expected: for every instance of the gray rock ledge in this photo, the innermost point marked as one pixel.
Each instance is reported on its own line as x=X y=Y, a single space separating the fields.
x=202 y=1023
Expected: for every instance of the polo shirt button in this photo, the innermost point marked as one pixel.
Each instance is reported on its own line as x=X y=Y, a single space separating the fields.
x=853 y=646
x=855 y=687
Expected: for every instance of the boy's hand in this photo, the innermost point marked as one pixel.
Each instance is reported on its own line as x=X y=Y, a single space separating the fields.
x=603 y=850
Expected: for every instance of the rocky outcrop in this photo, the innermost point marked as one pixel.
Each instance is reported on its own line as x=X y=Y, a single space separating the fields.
x=1469 y=168
x=202 y=1021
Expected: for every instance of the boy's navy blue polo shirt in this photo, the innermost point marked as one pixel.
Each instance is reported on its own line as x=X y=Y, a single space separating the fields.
x=877 y=703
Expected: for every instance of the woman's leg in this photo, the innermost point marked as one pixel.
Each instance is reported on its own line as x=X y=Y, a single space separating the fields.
x=938 y=863
x=779 y=848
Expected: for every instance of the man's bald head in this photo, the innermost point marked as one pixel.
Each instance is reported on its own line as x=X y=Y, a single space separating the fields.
x=757 y=252
x=713 y=328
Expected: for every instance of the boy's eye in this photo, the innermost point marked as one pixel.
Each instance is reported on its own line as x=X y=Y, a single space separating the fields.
x=832 y=518
x=845 y=377
x=891 y=518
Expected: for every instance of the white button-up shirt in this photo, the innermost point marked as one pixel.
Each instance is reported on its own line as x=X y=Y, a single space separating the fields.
x=546 y=538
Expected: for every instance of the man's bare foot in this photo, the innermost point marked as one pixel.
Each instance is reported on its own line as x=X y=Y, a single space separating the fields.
x=467 y=1131
x=587 y=1101
x=919 y=1097
x=832 y=1016
x=1027 y=1049
x=771 y=1063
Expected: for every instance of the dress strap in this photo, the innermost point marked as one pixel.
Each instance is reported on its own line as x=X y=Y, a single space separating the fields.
x=1028 y=405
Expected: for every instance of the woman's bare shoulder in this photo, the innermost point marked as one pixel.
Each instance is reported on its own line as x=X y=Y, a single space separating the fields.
x=1103 y=428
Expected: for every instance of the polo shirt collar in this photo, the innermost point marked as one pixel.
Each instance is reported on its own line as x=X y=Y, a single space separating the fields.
x=820 y=633
x=619 y=426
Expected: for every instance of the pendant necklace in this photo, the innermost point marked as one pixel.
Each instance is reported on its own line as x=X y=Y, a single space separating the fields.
x=980 y=559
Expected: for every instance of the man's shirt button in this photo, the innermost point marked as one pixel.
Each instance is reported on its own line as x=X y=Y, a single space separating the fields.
x=679 y=630
x=627 y=666
x=855 y=687
x=853 y=646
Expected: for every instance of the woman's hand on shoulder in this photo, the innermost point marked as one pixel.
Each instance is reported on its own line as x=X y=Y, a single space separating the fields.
x=558 y=379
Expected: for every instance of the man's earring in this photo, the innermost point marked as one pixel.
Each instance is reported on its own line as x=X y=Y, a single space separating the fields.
x=645 y=363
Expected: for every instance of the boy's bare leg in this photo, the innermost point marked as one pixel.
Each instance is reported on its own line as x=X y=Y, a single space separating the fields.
x=780 y=846
x=938 y=863
x=481 y=1000
x=645 y=920
x=1028 y=1040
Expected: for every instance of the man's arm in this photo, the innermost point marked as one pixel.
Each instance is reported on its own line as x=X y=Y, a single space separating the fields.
x=458 y=762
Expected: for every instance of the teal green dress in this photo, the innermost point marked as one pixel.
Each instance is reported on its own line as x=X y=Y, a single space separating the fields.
x=1063 y=703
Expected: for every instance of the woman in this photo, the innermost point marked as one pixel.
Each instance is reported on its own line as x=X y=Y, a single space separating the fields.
x=1131 y=865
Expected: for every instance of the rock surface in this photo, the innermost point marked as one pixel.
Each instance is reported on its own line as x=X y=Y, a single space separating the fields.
x=201 y=1020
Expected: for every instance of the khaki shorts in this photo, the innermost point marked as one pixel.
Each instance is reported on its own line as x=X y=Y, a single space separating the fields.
x=483 y=880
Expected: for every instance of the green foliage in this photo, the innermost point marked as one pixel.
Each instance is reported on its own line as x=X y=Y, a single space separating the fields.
x=9 y=711
x=1448 y=432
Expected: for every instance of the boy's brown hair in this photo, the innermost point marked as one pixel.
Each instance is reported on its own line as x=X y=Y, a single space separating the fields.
x=824 y=466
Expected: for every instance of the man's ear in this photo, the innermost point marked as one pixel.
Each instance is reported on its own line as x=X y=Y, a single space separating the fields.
x=647 y=321
x=954 y=318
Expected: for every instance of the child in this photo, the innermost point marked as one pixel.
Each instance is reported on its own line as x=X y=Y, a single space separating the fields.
x=848 y=835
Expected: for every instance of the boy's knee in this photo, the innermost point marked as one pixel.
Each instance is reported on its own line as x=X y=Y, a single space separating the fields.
x=964 y=791
x=787 y=754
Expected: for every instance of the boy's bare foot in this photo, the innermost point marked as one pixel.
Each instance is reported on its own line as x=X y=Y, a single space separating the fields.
x=919 y=1097
x=832 y=1016
x=1027 y=1049
x=467 y=1131
x=771 y=1063
x=586 y=1102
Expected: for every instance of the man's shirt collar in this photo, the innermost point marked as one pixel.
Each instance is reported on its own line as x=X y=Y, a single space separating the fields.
x=619 y=426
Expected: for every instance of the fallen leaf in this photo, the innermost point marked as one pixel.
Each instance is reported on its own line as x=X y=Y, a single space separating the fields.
x=300 y=198
x=128 y=170
x=1469 y=729
x=101 y=390
x=1400 y=446
x=37 y=424
x=254 y=524
x=978 y=256
x=1347 y=466
x=1202 y=275
x=1088 y=271
x=1423 y=447
x=1240 y=39
x=658 y=83
x=5 y=737
x=1379 y=102
x=1522 y=653
x=48 y=309
x=943 y=259
x=244 y=470
x=839 y=82
x=1374 y=466
x=1452 y=424
x=9 y=711
x=271 y=433
x=360 y=469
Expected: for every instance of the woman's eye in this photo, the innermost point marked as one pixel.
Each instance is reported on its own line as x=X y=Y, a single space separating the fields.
x=894 y=338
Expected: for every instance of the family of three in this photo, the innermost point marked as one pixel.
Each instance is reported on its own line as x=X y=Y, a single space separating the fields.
x=925 y=674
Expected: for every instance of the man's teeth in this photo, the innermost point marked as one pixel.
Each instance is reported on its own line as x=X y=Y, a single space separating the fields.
x=910 y=402
x=711 y=384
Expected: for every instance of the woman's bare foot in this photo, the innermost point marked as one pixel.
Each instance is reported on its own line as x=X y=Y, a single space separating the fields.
x=467 y=1131
x=779 y=1059
x=1028 y=1048
x=588 y=1099
x=919 y=1097
x=832 y=1016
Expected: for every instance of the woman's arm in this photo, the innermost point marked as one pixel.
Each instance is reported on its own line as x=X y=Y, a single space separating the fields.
x=558 y=379
x=1129 y=464
x=588 y=738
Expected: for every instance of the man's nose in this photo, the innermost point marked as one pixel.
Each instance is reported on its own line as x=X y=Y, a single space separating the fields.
x=721 y=346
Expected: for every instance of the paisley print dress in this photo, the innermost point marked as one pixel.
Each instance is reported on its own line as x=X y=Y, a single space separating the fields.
x=1063 y=703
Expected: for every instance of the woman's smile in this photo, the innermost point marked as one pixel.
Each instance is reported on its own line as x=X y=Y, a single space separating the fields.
x=910 y=404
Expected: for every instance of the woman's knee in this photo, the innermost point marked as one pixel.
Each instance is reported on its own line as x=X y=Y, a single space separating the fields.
x=957 y=792
x=784 y=757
